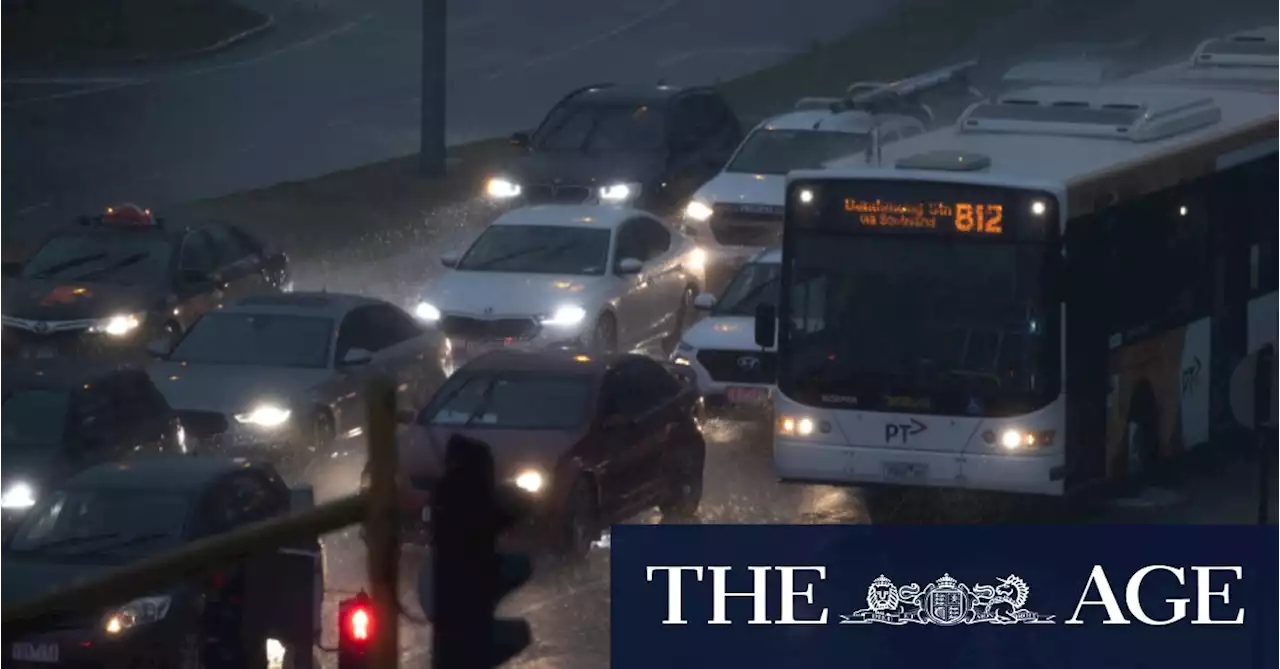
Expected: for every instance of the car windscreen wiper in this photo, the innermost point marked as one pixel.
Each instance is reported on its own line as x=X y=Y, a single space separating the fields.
x=70 y=541
x=67 y=264
x=482 y=405
x=123 y=262
x=131 y=540
x=550 y=250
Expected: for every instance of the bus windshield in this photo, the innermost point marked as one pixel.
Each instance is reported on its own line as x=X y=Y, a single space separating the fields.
x=962 y=326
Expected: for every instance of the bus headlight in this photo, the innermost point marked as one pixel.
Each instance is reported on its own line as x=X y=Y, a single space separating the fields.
x=801 y=426
x=698 y=211
x=1016 y=439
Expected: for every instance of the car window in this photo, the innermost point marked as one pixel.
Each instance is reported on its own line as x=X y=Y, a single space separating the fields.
x=198 y=253
x=531 y=400
x=228 y=248
x=629 y=391
x=778 y=151
x=136 y=400
x=632 y=243
x=581 y=126
x=358 y=330
x=35 y=418
x=656 y=237
x=241 y=499
x=685 y=131
x=392 y=325
x=124 y=520
x=539 y=249
x=94 y=415
x=117 y=257
x=655 y=382
x=272 y=340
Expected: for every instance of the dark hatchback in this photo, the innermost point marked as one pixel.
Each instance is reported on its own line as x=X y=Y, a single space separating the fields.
x=113 y=515
x=590 y=440
x=112 y=283
x=63 y=416
x=648 y=147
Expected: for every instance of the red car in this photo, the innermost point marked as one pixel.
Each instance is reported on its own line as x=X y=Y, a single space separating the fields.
x=594 y=440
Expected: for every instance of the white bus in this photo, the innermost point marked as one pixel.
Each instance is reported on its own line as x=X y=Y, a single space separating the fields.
x=1048 y=295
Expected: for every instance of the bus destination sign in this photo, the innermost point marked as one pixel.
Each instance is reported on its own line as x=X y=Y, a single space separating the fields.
x=973 y=218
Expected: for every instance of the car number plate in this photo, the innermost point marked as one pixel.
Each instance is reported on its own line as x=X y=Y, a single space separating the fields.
x=476 y=347
x=36 y=652
x=740 y=395
x=906 y=471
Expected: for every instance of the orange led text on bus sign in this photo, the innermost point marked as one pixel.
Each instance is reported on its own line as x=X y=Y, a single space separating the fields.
x=963 y=216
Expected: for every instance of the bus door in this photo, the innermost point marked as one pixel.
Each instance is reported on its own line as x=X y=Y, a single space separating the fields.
x=1085 y=355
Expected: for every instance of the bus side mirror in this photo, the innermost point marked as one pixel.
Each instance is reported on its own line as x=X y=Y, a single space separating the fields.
x=766 y=325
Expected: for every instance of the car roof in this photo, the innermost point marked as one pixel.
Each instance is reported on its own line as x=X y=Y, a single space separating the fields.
x=60 y=373
x=329 y=305
x=599 y=216
x=631 y=94
x=171 y=473
x=852 y=122
x=549 y=360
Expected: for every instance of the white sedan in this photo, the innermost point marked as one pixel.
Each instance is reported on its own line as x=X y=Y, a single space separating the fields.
x=602 y=277
x=283 y=376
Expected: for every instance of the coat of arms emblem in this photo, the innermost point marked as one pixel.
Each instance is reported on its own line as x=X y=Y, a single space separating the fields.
x=947 y=602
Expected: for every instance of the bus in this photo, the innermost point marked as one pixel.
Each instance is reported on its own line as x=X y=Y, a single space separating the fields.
x=1047 y=296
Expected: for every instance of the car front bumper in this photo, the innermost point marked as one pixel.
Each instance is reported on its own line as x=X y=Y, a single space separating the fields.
x=158 y=645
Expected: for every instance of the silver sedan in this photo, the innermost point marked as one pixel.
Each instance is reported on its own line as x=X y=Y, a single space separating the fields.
x=282 y=376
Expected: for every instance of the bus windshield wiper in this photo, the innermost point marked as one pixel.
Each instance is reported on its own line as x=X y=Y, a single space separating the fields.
x=67 y=264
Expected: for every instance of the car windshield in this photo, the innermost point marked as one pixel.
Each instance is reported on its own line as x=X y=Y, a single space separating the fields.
x=754 y=284
x=512 y=400
x=127 y=258
x=539 y=249
x=780 y=151
x=896 y=317
x=35 y=416
x=602 y=128
x=229 y=338
x=105 y=521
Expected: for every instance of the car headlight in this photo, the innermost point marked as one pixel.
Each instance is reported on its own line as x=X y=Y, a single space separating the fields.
x=19 y=496
x=265 y=415
x=698 y=211
x=620 y=192
x=427 y=312
x=117 y=326
x=697 y=260
x=499 y=188
x=565 y=316
x=141 y=611
x=529 y=480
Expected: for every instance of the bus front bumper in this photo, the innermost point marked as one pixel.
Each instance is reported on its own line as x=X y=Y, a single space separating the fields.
x=799 y=460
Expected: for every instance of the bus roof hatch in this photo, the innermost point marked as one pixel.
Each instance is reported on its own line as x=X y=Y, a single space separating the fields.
x=1134 y=115
x=945 y=161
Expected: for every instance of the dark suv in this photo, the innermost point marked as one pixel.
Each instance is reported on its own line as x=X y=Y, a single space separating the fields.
x=645 y=146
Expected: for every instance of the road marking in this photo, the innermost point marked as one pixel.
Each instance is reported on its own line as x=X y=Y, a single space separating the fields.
x=554 y=55
x=186 y=74
x=66 y=81
x=683 y=56
x=30 y=208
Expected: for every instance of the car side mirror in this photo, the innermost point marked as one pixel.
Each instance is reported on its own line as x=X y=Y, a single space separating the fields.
x=12 y=269
x=450 y=259
x=629 y=266
x=520 y=139
x=766 y=325
x=405 y=416
x=357 y=356
x=704 y=301
x=617 y=422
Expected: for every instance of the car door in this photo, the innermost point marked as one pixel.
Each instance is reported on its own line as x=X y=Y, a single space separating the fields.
x=664 y=273
x=141 y=412
x=661 y=420
x=345 y=392
x=238 y=262
x=96 y=428
x=196 y=289
x=635 y=294
x=628 y=444
x=405 y=352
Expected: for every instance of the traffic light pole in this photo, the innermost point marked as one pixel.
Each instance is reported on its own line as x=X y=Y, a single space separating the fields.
x=431 y=154
x=382 y=537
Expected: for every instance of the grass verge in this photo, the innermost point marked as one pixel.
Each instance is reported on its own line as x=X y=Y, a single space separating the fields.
x=382 y=199
x=101 y=32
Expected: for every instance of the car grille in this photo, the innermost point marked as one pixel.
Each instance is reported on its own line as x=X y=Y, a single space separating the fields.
x=558 y=194
x=498 y=328
x=21 y=343
x=203 y=425
x=747 y=225
x=732 y=366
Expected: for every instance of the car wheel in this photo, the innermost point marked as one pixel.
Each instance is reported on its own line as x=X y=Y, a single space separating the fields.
x=685 y=496
x=677 y=328
x=1141 y=443
x=604 y=339
x=322 y=431
x=581 y=523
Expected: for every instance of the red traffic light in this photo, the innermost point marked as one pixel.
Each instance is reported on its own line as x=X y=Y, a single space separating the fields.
x=359 y=623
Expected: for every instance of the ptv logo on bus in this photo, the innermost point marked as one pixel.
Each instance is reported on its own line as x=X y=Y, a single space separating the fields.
x=903 y=431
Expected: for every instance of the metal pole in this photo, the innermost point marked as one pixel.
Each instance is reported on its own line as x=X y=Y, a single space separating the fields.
x=381 y=536
x=431 y=154
x=176 y=567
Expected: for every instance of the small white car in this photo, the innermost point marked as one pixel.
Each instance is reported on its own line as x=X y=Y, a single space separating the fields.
x=599 y=277
x=734 y=375
x=282 y=377
x=739 y=212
